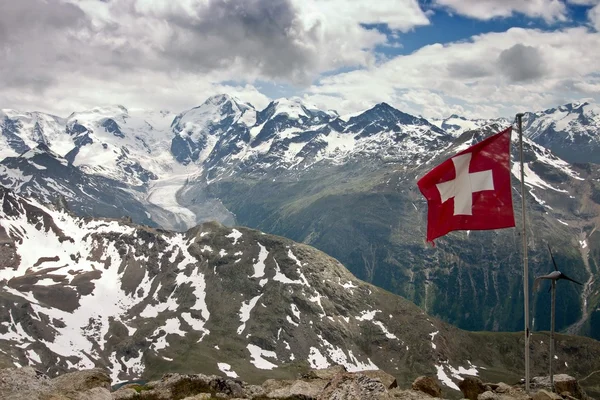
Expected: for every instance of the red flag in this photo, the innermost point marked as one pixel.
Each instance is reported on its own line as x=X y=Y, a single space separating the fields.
x=472 y=190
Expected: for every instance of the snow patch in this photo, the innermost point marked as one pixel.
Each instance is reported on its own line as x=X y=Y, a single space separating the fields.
x=257 y=354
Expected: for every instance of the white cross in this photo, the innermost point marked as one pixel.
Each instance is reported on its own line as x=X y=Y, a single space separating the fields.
x=464 y=185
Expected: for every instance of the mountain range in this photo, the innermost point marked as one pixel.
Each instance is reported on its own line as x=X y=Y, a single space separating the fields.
x=345 y=185
x=138 y=301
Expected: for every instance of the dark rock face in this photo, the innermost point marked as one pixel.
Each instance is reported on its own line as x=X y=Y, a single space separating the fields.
x=111 y=126
x=8 y=128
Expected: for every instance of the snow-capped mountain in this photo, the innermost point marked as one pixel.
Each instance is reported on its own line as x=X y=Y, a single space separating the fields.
x=456 y=125
x=572 y=131
x=221 y=120
x=131 y=147
x=371 y=217
x=79 y=293
x=345 y=185
x=47 y=176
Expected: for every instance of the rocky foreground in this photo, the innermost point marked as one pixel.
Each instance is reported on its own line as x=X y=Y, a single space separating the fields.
x=334 y=383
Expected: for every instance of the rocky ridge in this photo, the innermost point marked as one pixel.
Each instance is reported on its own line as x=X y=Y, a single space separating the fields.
x=334 y=383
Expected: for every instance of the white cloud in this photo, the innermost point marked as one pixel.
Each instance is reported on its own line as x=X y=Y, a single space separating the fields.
x=79 y=53
x=65 y=55
x=341 y=15
x=548 y=10
x=594 y=17
x=584 y=2
x=490 y=75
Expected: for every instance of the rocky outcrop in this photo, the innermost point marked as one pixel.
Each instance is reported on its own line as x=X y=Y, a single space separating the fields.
x=471 y=387
x=427 y=384
x=179 y=386
x=334 y=383
x=546 y=395
x=29 y=384
x=564 y=384
x=353 y=386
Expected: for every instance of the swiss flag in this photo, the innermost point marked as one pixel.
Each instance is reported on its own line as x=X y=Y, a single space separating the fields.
x=471 y=190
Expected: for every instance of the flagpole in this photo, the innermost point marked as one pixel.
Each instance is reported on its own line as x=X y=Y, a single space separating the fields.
x=525 y=259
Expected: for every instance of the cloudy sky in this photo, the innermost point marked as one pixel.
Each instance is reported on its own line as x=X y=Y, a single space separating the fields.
x=478 y=58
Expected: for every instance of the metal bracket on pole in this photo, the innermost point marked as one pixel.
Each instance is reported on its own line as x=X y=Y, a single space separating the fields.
x=553 y=312
x=525 y=259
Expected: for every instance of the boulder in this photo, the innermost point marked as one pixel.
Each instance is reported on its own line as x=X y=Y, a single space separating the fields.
x=181 y=386
x=252 y=391
x=23 y=383
x=487 y=395
x=427 y=384
x=28 y=384
x=124 y=394
x=388 y=380
x=502 y=388
x=97 y=393
x=353 y=386
x=82 y=380
x=327 y=373
x=201 y=396
x=471 y=387
x=398 y=394
x=304 y=389
x=546 y=395
x=566 y=383
x=562 y=383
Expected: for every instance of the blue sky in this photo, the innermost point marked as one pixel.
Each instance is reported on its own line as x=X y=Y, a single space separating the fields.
x=478 y=58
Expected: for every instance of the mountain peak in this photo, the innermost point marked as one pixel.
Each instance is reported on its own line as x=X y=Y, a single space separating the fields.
x=220 y=99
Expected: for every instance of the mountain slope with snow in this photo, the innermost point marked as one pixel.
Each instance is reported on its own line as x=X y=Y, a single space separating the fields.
x=78 y=293
x=371 y=217
x=572 y=131
x=346 y=185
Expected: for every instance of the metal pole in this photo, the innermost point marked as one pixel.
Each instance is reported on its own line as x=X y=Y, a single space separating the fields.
x=553 y=316
x=525 y=259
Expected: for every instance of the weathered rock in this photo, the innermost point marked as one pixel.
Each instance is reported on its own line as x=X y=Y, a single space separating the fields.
x=28 y=384
x=502 y=388
x=471 y=387
x=427 y=384
x=353 y=386
x=181 y=386
x=124 y=394
x=22 y=383
x=97 y=393
x=327 y=373
x=388 y=380
x=252 y=391
x=566 y=383
x=487 y=395
x=398 y=394
x=562 y=383
x=305 y=389
x=201 y=396
x=408 y=395
x=82 y=380
x=546 y=395
x=273 y=384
